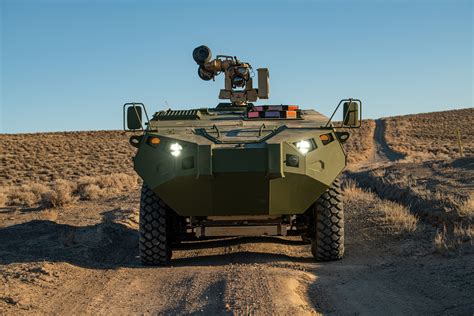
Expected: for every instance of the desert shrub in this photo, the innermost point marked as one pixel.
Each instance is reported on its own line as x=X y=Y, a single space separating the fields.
x=348 y=184
x=464 y=233
x=397 y=217
x=61 y=194
x=92 y=192
x=466 y=209
x=459 y=240
x=392 y=217
x=26 y=195
x=445 y=200
x=440 y=240
x=92 y=188
x=3 y=197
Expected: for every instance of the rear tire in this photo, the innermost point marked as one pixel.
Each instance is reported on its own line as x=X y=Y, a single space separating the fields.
x=327 y=242
x=155 y=218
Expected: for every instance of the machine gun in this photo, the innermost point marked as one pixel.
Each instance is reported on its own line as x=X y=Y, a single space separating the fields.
x=238 y=76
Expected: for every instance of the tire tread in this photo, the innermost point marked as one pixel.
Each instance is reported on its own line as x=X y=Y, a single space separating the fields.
x=328 y=213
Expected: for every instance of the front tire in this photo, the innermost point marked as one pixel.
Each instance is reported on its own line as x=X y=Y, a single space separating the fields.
x=155 y=241
x=327 y=242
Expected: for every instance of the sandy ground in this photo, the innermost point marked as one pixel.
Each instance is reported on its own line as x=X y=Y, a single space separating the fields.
x=83 y=260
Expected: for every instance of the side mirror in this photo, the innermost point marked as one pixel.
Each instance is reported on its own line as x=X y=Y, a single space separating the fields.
x=351 y=114
x=133 y=116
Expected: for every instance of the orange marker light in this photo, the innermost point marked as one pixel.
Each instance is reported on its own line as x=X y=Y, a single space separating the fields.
x=290 y=114
x=154 y=140
x=292 y=107
x=324 y=137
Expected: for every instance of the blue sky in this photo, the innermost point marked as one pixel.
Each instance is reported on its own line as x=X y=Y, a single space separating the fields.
x=70 y=65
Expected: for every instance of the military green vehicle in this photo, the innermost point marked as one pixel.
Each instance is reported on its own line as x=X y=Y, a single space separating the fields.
x=239 y=169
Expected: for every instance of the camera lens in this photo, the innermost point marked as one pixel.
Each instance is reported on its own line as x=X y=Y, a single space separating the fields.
x=204 y=74
x=202 y=54
x=238 y=81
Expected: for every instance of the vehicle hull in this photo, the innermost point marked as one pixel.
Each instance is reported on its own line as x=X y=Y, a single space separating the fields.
x=209 y=179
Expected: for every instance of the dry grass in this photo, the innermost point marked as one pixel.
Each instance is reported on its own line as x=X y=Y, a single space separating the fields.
x=466 y=209
x=437 y=190
x=392 y=217
x=63 y=192
x=398 y=217
x=93 y=188
x=458 y=240
x=440 y=240
x=26 y=195
x=464 y=232
x=47 y=157
x=3 y=197
x=431 y=135
x=56 y=169
x=360 y=145
x=60 y=194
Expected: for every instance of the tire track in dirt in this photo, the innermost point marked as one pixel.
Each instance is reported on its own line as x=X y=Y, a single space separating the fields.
x=382 y=152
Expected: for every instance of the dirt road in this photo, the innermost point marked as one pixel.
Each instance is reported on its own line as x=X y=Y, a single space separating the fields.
x=382 y=150
x=83 y=260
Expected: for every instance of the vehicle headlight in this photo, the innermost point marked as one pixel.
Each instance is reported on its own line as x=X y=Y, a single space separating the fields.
x=305 y=146
x=176 y=149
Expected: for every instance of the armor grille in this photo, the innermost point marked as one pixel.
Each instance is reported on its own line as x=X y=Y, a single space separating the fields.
x=170 y=115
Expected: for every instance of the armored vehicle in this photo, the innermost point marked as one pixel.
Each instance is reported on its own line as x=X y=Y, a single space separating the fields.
x=239 y=168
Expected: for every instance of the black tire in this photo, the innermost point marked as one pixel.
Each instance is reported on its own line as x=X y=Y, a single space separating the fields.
x=155 y=241
x=327 y=215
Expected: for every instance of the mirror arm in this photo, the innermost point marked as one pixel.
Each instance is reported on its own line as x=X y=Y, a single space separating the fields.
x=139 y=117
x=347 y=113
x=335 y=110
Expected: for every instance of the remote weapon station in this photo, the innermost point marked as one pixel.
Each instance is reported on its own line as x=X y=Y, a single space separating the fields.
x=239 y=169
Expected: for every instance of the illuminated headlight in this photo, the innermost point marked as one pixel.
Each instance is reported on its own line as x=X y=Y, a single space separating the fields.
x=176 y=149
x=305 y=146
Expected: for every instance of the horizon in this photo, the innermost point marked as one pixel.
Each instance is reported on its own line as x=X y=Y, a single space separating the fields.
x=122 y=130
x=71 y=66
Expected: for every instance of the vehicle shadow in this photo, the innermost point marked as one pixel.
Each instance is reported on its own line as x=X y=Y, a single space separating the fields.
x=103 y=245
x=232 y=241
x=242 y=257
x=110 y=245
